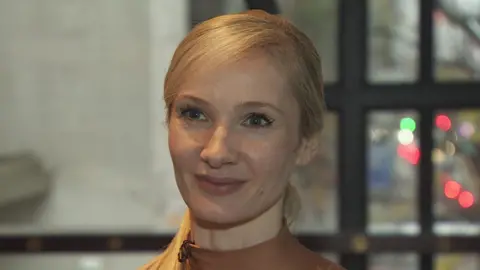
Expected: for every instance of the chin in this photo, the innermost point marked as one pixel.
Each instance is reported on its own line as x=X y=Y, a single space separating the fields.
x=212 y=215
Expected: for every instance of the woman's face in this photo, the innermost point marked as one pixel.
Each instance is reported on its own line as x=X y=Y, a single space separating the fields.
x=234 y=140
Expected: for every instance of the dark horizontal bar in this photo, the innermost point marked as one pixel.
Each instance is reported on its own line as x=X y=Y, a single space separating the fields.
x=349 y=243
x=404 y=96
x=341 y=243
x=269 y=6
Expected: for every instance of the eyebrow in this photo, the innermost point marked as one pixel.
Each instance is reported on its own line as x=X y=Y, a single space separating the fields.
x=247 y=104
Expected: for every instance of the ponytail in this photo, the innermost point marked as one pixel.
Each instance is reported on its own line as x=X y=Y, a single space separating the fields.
x=168 y=260
x=291 y=205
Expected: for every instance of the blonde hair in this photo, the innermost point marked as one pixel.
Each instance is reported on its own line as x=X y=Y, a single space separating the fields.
x=233 y=37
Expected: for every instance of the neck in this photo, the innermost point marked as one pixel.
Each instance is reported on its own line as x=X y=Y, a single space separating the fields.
x=258 y=230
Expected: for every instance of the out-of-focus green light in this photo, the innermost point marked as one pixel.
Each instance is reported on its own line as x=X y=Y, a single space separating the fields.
x=408 y=123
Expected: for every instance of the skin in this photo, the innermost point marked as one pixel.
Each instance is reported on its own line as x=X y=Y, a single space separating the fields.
x=239 y=122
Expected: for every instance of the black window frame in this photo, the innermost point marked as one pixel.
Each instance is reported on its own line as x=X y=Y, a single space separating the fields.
x=352 y=97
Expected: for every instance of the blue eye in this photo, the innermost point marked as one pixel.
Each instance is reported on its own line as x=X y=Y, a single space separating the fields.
x=192 y=114
x=258 y=120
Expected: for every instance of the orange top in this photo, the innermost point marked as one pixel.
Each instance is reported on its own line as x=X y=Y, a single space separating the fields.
x=283 y=252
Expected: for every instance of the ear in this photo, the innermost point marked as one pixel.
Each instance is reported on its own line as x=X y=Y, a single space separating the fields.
x=307 y=150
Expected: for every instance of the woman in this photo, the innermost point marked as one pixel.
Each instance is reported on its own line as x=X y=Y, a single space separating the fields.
x=245 y=108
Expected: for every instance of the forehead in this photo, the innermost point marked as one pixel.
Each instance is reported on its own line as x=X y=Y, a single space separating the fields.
x=253 y=78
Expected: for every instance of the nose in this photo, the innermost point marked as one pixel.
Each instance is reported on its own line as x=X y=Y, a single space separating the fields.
x=217 y=151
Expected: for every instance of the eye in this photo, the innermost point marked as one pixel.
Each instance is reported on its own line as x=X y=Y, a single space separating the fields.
x=258 y=120
x=192 y=114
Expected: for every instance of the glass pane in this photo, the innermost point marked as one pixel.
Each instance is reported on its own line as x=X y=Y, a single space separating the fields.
x=457 y=262
x=456 y=162
x=79 y=99
x=392 y=172
x=115 y=261
x=393 y=40
x=317 y=184
x=457 y=40
x=318 y=19
x=393 y=262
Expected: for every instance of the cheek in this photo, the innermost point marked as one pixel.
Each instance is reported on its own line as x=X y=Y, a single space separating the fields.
x=182 y=147
x=174 y=143
x=270 y=151
x=272 y=164
x=184 y=156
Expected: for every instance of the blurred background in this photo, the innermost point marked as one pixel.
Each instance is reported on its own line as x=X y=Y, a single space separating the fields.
x=83 y=140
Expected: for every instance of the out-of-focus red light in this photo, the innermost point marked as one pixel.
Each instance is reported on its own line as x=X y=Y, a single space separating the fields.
x=452 y=189
x=443 y=122
x=439 y=16
x=411 y=153
x=402 y=150
x=466 y=199
x=415 y=157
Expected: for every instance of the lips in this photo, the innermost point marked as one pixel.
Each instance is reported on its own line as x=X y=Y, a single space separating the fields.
x=217 y=186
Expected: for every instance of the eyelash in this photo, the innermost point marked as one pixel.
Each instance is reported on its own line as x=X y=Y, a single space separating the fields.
x=184 y=113
x=268 y=121
x=263 y=117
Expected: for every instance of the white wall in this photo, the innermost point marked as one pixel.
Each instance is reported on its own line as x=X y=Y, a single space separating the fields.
x=81 y=85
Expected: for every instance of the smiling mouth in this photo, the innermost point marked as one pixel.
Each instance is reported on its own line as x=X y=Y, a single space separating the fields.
x=218 y=186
